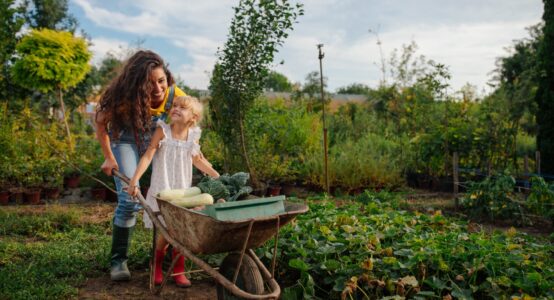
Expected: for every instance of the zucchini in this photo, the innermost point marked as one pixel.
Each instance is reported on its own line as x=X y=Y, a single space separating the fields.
x=171 y=195
x=193 y=201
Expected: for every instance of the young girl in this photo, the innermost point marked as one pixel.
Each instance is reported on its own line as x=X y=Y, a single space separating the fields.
x=175 y=149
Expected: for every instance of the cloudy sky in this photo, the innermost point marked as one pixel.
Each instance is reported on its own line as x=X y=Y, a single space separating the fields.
x=465 y=35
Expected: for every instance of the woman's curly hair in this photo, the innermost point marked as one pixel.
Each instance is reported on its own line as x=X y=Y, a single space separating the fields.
x=126 y=101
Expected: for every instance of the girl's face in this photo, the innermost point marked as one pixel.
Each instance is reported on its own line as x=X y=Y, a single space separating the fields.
x=181 y=113
x=159 y=83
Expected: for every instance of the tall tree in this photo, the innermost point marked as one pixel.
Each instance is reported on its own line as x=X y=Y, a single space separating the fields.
x=12 y=19
x=257 y=29
x=545 y=91
x=51 y=60
x=51 y=14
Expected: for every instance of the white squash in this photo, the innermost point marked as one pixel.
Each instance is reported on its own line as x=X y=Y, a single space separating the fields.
x=175 y=194
x=193 y=201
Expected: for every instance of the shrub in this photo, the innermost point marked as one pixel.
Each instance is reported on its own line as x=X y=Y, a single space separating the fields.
x=494 y=198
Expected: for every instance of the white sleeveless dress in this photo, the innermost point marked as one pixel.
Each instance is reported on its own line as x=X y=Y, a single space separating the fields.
x=171 y=165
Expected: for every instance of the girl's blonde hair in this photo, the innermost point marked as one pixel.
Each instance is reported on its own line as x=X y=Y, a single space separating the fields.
x=193 y=104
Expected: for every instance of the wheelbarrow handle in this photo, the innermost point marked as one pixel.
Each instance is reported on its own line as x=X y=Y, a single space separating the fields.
x=121 y=176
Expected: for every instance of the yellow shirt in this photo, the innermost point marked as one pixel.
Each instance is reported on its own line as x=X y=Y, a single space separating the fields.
x=160 y=109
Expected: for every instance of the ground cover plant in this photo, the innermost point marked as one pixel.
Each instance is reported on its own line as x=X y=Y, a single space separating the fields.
x=372 y=251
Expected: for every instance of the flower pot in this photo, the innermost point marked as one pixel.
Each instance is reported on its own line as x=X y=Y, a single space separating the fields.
x=16 y=195
x=274 y=190
x=72 y=181
x=4 y=197
x=51 y=193
x=32 y=196
x=99 y=193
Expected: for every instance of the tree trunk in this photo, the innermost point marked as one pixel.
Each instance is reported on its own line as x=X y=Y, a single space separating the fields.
x=68 y=132
x=252 y=172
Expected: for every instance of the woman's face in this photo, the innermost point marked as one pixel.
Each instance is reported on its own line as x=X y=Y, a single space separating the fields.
x=159 y=82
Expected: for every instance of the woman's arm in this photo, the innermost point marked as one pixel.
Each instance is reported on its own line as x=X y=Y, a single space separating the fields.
x=102 y=136
x=145 y=161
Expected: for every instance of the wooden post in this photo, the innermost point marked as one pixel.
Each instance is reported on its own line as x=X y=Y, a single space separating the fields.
x=525 y=166
x=538 y=162
x=455 y=170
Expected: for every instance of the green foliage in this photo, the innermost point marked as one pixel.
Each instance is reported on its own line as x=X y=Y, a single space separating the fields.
x=277 y=82
x=51 y=14
x=50 y=60
x=12 y=17
x=373 y=251
x=545 y=91
x=282 y=138
x=228 y=187
x=541 y=199
x=49 y=253
x=370 y=162
x=494 y=198
x=355 y=88
x=257 y=29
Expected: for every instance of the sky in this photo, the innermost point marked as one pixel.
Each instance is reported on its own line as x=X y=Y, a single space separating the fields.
x=465 y=35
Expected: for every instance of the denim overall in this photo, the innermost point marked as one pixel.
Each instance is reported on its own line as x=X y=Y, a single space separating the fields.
x=127 y=151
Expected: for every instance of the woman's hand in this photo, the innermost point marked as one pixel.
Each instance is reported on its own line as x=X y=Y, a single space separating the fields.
x=108 y=166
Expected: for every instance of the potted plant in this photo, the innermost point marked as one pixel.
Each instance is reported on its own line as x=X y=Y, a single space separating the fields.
x=31 y=180
x=52 y=177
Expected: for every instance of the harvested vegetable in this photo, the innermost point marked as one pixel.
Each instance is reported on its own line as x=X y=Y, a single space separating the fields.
x=193 y=201
x=170 y=195
x=228 y=187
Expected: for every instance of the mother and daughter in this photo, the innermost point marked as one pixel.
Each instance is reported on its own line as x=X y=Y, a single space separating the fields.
x=133 y=131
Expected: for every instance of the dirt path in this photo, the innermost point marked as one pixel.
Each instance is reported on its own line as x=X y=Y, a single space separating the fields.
x=137 y=288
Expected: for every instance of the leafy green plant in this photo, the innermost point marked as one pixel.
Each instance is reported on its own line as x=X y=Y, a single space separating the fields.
x=375 y=251
x=50 y=60
x=228 y=187
x=541 y=199
x=494 y=198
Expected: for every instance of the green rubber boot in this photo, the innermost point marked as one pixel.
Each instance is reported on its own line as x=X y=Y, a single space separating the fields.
x=120 y=244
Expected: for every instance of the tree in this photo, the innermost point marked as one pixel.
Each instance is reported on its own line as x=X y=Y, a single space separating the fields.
x=48 y=61
x=277 y=82
x=545 y=91
x=355 y=89
x=257 y=29
x=12 y=17
x=51 y=14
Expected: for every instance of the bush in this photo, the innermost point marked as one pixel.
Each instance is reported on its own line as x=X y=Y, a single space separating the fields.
x=373 y=161
x=494 y=198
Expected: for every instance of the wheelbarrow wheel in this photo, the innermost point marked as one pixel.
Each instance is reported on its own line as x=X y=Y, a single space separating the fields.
x=249 y=278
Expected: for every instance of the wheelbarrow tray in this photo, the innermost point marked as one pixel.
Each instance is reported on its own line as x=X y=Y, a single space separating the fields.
x=202 y=234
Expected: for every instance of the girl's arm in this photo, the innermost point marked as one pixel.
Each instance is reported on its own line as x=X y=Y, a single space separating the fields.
x=145 y=161
x=202 y=164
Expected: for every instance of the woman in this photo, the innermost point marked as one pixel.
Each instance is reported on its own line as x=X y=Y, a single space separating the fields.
x=136 y=98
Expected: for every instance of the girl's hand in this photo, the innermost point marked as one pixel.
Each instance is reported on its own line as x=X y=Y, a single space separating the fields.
x=132 y=190
x=108 y=166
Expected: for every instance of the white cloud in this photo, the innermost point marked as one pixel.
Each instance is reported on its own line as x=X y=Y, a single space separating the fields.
x=101 y=46
x=467 y=35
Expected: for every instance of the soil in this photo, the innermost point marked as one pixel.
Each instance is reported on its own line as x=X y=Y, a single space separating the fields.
x=138 y=288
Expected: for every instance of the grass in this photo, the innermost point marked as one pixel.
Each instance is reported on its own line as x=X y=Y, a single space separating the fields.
x=46 y=252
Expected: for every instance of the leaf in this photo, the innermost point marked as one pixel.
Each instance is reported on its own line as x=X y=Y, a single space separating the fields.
x=410 y=280
x=298 y=264
x=331 y=265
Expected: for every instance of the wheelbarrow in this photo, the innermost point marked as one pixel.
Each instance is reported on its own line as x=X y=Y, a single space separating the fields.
x=241 y=273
